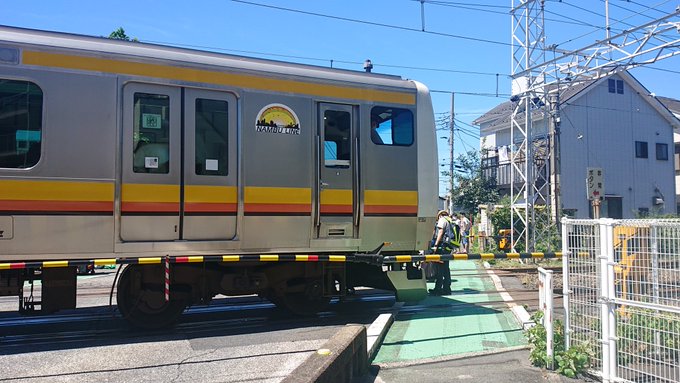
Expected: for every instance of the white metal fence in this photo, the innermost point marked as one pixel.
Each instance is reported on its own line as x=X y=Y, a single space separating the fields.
x=622 y=296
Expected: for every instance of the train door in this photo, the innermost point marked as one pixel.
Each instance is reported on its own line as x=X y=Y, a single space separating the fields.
x=150 y=192
x=209 y=184
x=178 y=164
x=337 y=197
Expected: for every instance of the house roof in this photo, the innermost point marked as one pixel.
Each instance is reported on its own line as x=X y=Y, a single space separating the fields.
x=672 y=104
x=501 y=115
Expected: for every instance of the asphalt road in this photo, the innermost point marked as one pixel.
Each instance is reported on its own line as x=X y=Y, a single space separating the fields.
x=234 y=340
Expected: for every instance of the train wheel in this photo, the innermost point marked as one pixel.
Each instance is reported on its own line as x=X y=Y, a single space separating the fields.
x=305 y=300
x=141 y=298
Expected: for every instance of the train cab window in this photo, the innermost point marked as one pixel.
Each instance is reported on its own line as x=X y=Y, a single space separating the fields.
x=337 y=138
x=21 y=104
x=151 y=136
x=391 y=126
x=212 y=127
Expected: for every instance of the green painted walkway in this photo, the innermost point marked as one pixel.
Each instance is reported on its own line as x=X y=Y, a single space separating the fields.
x=455 y=324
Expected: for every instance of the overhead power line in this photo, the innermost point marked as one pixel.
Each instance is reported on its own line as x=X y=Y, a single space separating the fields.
x=322 y=60
x=482 y=8
x=469 y=38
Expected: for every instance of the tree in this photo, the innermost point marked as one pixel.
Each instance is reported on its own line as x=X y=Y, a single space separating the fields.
x=119 y=34
x=474 y=188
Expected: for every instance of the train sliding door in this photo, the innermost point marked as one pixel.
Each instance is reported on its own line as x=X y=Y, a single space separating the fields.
x=337 y=199
x=209 y=198
x=178 y=165
x=150 y=190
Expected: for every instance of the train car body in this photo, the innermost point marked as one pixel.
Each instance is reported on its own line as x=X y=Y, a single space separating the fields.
x=116 y=149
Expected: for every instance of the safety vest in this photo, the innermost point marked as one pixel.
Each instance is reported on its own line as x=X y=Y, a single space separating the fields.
x=451 y=238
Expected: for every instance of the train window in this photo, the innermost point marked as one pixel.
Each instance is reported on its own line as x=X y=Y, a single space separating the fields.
x=212 y=127
x=391 y=126
x=151 y=136
x=337 y=138
x=21 y=105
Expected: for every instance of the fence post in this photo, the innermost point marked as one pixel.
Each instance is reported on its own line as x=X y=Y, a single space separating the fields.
x=565 y=282
x=545 y=293
x=655 y=280
x=607 y=295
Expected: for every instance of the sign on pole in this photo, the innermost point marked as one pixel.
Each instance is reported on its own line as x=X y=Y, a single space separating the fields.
x=595 y=184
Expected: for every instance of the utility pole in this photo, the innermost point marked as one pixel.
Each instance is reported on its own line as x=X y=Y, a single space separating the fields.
x=451 y=167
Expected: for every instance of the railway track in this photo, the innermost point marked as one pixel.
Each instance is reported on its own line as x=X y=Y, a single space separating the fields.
x=104 y=323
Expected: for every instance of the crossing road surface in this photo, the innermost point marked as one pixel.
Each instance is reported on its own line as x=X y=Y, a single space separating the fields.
x=234 y=340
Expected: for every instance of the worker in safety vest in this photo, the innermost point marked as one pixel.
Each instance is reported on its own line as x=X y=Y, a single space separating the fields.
x=446 y=240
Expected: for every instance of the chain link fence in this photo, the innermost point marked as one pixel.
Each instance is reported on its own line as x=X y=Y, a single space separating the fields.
x=622 y=296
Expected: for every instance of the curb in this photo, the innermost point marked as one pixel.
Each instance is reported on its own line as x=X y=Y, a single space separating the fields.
x=340 y=359
x=518 y=311
x=447 y=358
x=375 y=333
x=346 y=354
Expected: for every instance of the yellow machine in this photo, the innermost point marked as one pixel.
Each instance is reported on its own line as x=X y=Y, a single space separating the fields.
x=633 y=261
x=504 y=243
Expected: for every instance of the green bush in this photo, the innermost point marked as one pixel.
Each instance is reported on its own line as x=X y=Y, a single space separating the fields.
x=638 y=329
x=569 y=363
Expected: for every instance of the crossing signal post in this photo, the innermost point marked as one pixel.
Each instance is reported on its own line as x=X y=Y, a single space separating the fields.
x=595 y=189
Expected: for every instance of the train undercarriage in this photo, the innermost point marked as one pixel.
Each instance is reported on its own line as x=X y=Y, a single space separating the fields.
x=301 y=288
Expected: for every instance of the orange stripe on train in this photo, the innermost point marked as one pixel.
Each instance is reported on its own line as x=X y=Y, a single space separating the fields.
x=336 y=209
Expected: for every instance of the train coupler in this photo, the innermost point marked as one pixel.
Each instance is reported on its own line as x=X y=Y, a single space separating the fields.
x=373 y=257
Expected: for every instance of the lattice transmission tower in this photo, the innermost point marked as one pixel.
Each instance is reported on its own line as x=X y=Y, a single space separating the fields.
x=538 y=80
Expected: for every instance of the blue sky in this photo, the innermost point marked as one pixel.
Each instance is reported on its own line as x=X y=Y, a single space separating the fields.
x=465 y=47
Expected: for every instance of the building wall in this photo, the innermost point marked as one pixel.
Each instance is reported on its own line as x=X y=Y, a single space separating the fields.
x=599 y=129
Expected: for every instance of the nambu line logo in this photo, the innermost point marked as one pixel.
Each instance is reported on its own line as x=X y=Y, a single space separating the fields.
x=277 y=118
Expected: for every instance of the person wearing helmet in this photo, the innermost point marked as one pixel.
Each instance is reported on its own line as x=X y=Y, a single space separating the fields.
x=445 y=242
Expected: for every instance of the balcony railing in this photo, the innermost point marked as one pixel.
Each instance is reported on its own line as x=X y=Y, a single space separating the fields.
x=502 y=172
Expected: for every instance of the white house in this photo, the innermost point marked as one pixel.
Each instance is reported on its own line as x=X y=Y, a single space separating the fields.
x=674 y=106
x=613 y=123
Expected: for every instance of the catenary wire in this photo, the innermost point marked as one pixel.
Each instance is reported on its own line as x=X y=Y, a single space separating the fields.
x=469 y=38
x=317 y=59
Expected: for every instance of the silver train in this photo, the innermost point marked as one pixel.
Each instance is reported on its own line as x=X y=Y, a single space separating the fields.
x=128 y=151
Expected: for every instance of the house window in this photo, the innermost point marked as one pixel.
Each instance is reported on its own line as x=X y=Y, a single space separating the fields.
x=615 y=86
x=662 y=152
x=611 y=207
x=641 y=149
